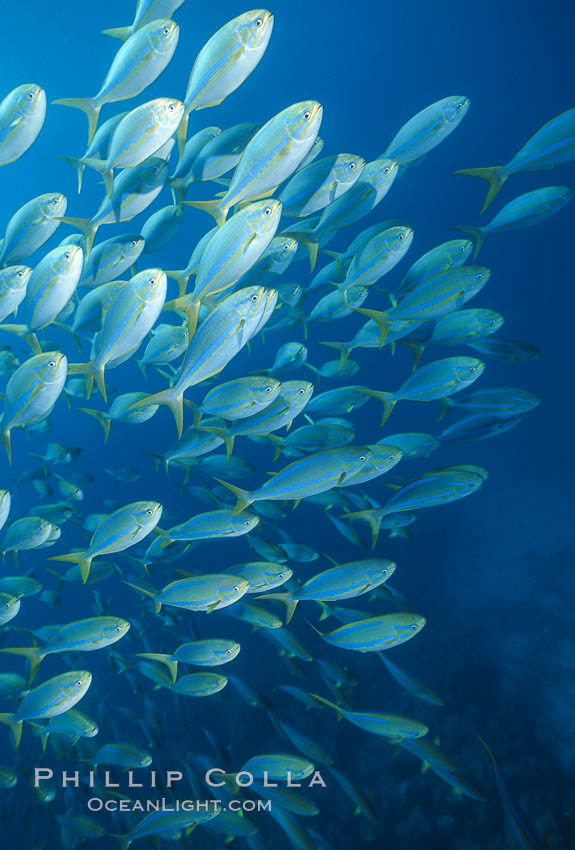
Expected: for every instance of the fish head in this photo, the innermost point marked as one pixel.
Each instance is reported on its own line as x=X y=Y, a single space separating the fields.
x=355 y=458
x=459 y=250
x=48 y=368
x=73 y=685
x=314 y=151
x=54 y=534
x=355 y=295
x=15 y=278
x=383 y=455
x=303 y=120
x=468 y=369
x=347 y=168
x=131 y=247
x=233 y=589
x=9 y=607
x=244 y=522
x=254 y=29
x=454 y=109
x=147 y=514
x=281 y=252
x=149 y=285
x=290 y=293
x=91 y=730
x=410 y=623
x=400 y=238
x=473 y=278
x=558 y=197
x=66 y=259
x=380 y=173
x=113 y=628
x=152 y=173
x=264 y=390
x=30 y=100
x=163 y=35
x=382 y=569
x=296 y=394
x=263 y=217
x=52 y=205
x=488 y=321
x=167 y=112
x=231 y=650
x=73 y=491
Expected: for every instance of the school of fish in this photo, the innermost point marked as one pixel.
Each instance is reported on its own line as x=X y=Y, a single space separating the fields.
x=275 y=203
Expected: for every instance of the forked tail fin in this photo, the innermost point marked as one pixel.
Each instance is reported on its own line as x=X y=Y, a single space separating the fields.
x=91 y=372
x=76 y=558
x=15 y=727
x=214 y=208
x=242 y=496
x=83 y=224
x=170 y=397
x=87 y=105
x=32 y=654
x=162 y=659
x=286 y=599
x=78 y=167
x=388 y=401
x=380 y=318
x=373 y=519
x=494 y=177
x=342 y=347
x=102 y=418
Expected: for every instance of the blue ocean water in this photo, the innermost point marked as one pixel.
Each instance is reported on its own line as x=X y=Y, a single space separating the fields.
x=492 y=574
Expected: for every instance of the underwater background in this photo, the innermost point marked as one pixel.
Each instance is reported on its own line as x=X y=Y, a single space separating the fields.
x=493 y=574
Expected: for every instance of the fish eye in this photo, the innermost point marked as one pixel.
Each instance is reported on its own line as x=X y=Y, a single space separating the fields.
x=352 y=165
x=301 y=391
x=460 y=105
x=20 y=274
x=78 y=682
x=134 y=243
x=255 y=298
x=269 y=389
x=166 y=30
x=307 y=115
x=52 y=363
x=236 y=588
x=67 y=255
x=152 y=281
x=149 y=512
x=413 y=627
x=479 y=276
x=228 y=652
x=118 y=628
x=363 y=457
x=268 y=211
x=31 y=95
x=259 y=22
x=54 y=201
x=387 y=169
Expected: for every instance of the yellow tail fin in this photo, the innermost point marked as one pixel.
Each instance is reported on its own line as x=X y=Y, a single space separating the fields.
x=87 y=105
x=494 y=177
x=76 y=558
